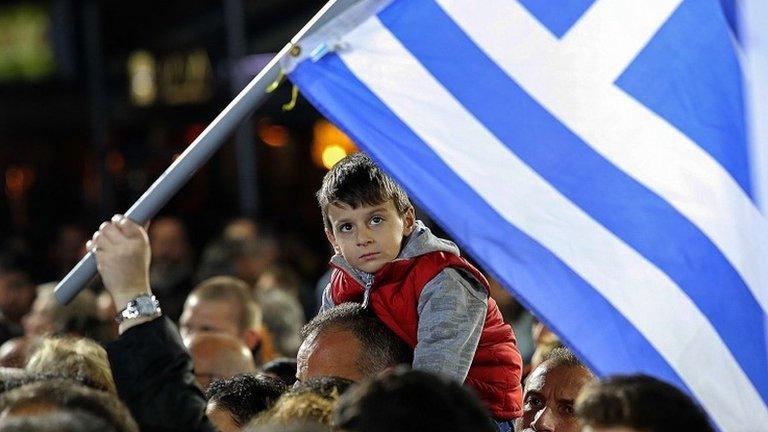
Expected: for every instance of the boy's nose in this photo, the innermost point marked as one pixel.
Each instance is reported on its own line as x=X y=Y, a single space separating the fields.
x=363 y=238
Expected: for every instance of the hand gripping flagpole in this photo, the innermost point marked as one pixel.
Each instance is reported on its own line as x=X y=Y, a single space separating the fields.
x=202 y=148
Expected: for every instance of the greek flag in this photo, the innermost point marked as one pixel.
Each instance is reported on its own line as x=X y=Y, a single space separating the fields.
x=591 y=154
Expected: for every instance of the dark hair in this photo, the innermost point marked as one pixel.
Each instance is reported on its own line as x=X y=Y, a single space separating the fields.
x=245 y=395
x=357 y=181
x=57 y=421
x=562 y=356
x=65 y=394
x=283 y=368
x=381 y=348
x=424 y=403
x=639 y=402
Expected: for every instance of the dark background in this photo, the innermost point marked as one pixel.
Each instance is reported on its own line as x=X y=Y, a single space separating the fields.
x=75 y=147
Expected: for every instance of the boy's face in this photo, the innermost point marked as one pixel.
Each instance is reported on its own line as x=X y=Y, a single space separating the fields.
x=368 y=236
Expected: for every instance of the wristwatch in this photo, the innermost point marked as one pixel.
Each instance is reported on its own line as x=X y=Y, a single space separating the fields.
x=145 y=305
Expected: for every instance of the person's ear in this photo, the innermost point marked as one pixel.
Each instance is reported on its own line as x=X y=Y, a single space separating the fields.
x=409 y=221
x=251 y=338
x=332 y=240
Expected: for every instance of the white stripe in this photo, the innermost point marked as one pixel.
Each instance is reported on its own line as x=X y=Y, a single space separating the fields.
x=592 y=44
x=639 y=290
x=753 y=15
x=629 y=135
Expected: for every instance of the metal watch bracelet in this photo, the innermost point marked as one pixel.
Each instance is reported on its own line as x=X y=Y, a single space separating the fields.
x=145 y=305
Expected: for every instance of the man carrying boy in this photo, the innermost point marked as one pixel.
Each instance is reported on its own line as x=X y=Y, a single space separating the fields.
x=417 y=284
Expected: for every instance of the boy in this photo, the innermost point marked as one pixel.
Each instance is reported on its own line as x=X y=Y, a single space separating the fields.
x=417 y=284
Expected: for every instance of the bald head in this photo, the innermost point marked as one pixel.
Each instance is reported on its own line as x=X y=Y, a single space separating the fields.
x=218 y=355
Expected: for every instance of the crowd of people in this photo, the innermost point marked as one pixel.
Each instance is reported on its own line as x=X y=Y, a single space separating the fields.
x=402 y=334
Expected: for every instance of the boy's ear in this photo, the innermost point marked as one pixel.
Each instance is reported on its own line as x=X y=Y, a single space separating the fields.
x=409 y=221
x=332 y=240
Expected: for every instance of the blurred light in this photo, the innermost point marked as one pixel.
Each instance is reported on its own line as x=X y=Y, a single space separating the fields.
x=18 y=180
x=186 y=77
x=333 y=154
x=115 y=162
x=330 y=144
x=142 y=76
x=26 y=50
x=273 y=135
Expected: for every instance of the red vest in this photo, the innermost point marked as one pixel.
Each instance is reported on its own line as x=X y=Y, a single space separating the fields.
x=496 y=369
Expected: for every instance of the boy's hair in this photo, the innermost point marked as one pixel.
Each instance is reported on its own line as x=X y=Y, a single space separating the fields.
x=357 y=181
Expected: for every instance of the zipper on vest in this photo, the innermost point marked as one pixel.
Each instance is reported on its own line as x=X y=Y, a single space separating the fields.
x=367 y=292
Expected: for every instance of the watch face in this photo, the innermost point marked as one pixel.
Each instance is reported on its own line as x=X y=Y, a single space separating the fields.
x=146 y=305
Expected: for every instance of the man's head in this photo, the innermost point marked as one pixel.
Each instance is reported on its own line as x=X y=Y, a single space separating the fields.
x=49 y=317
x=73 y=420
x=171 y=253
x=222 y=304
x=411 y=400
x=232 y=402
x=218 y=356
x=43 y=397
x=637 y=403
x=348 y=341
x=17 y=292
x=366 y=214
x=550 y=393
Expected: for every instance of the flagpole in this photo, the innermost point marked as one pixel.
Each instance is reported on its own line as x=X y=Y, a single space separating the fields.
x=201 y=149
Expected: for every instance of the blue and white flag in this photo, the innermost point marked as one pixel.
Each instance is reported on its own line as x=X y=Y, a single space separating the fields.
x=591 y=154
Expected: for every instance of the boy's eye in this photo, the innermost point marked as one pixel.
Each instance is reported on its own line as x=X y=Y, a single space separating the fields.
x=345 y=227
x=376 y=220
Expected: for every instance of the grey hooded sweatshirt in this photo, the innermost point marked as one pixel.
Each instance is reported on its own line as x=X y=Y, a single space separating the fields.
x=451 y=308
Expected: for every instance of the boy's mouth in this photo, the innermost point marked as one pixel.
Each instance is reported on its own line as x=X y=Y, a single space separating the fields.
x=368 y=256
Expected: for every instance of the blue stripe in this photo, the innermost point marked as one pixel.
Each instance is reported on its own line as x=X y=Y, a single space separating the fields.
x=692 y=79
x=558 y=16
x=638 y=216
x=566 y=303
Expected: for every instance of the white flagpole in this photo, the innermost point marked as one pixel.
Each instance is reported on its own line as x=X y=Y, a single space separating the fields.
x=202 y=148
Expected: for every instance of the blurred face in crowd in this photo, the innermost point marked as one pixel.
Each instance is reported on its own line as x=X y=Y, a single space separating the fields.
x=548 y=401
x=69 y=248
x=330 y=353
x=171 y=254
x=214 y=316
x=218 y=356
x=368 y=236
x=39 y=320
x=16 y=295
x=168 y=240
